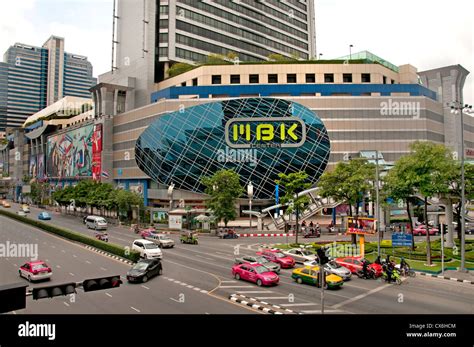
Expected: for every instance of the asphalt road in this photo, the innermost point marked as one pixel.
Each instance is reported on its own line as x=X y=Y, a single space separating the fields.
x=207 y=266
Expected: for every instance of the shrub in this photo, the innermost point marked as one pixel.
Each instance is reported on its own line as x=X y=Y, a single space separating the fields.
x=74 y=236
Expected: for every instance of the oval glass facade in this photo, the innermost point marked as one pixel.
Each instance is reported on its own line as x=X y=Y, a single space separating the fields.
x=256 y=137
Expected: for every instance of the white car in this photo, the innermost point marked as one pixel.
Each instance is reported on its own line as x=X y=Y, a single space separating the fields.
x=300 y=255
x=332 y=268
x=162 y=240
x=21 y=213
x=147 y=249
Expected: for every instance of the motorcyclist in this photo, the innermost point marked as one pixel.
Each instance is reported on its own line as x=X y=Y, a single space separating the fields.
x=404 y=266
x=377 y=261
x=364 y=268
x=390 y=268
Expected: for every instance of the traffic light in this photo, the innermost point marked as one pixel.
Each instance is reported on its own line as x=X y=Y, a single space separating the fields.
x=100 y=283
x=323 y=259
x=12 y=297
x=56 y=290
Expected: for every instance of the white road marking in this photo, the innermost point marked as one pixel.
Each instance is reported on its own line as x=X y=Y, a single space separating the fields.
x=228 y=281
x=271 y=297
x=65 y=303
x=319 y=311
x=103 y=268
x=143 y=286
x=15 y=265
x=200 y=256
x=53 y=246
x=361 y=296
x=63 y=251
x=108 y=295
x=236 y=287
x=196 y=288
x=176 y=300
x=299 y=304
x=71 y=274
x=133 y=308
x=88 y=262
x=204 y=291
x=13 y=312
x=190 y=286
x=252 y=292
x=228 y=254
x=74 y=256
x=58 y=266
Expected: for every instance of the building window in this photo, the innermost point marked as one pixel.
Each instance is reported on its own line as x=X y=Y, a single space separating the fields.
x=216 y=79
x=183 y=84
x=328 y=78
x=253 y=79
x=195 y=82
x=384 y=80
x=347 y=78
x=273 y=78
x=291 y=78
x=393 y=81
x=234 y=79
x=310 y=78
x=365 y=78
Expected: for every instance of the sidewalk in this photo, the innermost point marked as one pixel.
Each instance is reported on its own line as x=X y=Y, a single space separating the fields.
x=468 y=276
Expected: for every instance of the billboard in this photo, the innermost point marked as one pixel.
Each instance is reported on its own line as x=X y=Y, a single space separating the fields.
x=41 y=166
x=96 y=152
x=32 y=170
x=359 y=225
x=69 y=155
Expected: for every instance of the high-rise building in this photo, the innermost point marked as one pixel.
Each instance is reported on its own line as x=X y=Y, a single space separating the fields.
x=149 y=36
x=32 y=78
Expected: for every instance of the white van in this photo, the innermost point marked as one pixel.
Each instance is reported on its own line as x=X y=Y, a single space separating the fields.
x=96 y=223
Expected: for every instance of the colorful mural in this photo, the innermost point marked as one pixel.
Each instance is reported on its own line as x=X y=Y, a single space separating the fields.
x=69 y=155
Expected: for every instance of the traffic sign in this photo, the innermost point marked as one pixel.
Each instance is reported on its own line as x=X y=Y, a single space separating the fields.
x=401 y=239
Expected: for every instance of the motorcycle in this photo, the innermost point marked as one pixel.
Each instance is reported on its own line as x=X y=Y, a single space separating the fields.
x=406 y=271
x=369 y=275
x=395 y=276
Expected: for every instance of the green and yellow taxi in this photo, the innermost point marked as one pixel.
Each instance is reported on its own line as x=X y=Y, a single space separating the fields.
x=310 y=275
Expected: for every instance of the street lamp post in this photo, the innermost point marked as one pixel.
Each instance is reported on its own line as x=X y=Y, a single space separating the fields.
x=456 y=107
x=377 y=202
x=250 y=194
x=170 y=195
x=350 y=52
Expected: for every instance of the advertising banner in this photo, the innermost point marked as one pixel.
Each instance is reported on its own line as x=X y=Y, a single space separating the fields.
x=360 y=225
x=97 y=152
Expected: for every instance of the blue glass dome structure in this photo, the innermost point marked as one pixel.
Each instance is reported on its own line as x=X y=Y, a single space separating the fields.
x=256 y=137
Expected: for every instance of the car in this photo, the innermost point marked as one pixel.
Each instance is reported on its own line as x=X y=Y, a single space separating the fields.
x=6 y=204
x=271 y=266
x=147 y=232
x=421 y=230
x=147 y=249
x=276 y=256
x=300 y=255
x=354 y=265
x=256 y=273
x=35 y=271
x=96 y=223
x=162 y=240
x=21 y=213
x=25 y=208
x=310 y=275
x=333 y=268
x=44 y=216
x=145 y=269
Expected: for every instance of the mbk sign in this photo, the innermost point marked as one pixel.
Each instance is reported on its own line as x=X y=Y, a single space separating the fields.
x=265 y=132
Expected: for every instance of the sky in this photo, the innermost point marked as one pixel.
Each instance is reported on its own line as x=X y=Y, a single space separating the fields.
x=425 y=33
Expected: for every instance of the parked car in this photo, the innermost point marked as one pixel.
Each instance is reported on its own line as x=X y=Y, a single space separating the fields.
x=44 y=216
x=35 y=271
x=25 y=208
x=21 y=213
x=332 y=268
x=421 y=230
x=276 y=256
x=300 y=255
x=162 y=240
x=96 y=223
x=145 y=269
x=354 y=264
x=271 y=266
x=255 y=273
x=310 y=275
x=147 y=249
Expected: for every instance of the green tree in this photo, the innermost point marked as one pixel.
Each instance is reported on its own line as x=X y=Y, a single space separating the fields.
x=64 y=195
x=348 y=182
x=224 y=189
x=428 y=168
x=398 y=186
x=291 y=184
x=278 y=57
x=125 y=201
x=179 y=68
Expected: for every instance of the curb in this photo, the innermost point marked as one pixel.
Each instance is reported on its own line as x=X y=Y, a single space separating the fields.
x=126 y=261
x=254 y=303
x=446 y=278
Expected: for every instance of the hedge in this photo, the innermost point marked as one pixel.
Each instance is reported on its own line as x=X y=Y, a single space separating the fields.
x=74 y=236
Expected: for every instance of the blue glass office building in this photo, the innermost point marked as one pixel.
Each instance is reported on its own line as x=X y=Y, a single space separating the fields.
x=257 y=137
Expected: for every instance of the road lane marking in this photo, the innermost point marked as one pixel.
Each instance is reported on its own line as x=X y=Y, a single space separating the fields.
x=228 y=281
x=58 y=266
x=74 y=256
x=176 y=300
x=271 y=297
x=252 y=291
x=204 y=291
x=71 y=274
x=200 y=256
x=108 y=295
x=361 y=296
x=143 y=286
x=299 y=304
x=319 y=311
x=236 y=287
x=15 y=265
x=190 y=286
x=63 y=251
x=133 y=308
x=65 y=303
x=103 y=268
x=88 y=262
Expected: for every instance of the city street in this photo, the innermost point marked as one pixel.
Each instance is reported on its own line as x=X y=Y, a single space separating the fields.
x=203 y=274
